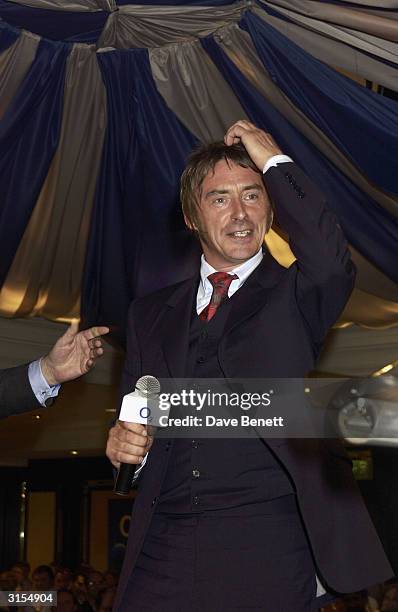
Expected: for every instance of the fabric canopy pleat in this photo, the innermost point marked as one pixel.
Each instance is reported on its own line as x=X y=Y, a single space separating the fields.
x=28 y=142
x=195 y=91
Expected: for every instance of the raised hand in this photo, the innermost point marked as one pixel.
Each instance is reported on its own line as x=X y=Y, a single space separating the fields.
x=259 y=145
x=73 y=355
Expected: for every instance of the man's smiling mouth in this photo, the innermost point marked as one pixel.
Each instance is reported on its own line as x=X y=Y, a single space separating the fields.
x=241 y=233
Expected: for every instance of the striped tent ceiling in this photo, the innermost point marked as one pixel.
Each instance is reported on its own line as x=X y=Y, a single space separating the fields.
x=76 y=76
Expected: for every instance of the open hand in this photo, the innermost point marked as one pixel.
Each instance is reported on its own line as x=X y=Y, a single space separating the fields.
x=73 y=354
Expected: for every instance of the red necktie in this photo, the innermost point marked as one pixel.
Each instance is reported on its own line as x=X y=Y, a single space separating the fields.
x=221 y=282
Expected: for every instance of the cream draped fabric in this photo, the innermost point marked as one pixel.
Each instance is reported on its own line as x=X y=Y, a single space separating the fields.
x=194 y=89
x=153 y=26
x=348 y=17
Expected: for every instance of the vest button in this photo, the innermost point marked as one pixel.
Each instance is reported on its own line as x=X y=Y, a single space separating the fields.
x=203 y=335
x=200 y=359
x=195 y=500
x=195 y=473
x=155 y=499
x=195 y=444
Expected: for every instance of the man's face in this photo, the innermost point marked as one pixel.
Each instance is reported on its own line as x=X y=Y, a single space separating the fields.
x=62 y=580
x=234 y=214
x=65 y=602
x=42 y=581
x=17 y=573
x=96 y=582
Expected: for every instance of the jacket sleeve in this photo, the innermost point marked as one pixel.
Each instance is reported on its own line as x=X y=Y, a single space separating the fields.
x=325 y=273
x=16 y=395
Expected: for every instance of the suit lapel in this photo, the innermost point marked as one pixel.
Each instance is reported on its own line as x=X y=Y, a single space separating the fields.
x=253 y=295
x=176 y=326
x=246 y=301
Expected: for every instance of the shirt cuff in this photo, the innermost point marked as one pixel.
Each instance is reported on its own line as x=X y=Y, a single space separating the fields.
x=275 y=160
x=139 y=468
x=40 y=387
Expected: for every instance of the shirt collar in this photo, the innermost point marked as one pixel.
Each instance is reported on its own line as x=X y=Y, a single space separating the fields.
x=242 y=271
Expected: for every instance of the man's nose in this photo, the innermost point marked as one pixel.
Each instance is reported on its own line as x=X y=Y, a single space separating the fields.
x=238 y=210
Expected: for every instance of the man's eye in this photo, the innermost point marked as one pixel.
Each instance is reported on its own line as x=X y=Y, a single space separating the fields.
x=219 y=201
x=251 y=196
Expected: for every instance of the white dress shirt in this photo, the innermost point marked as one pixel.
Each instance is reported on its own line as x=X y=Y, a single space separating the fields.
x=205 y=288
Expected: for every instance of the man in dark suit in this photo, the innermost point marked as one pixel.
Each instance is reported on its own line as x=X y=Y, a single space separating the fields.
x=248 y=524
x=30 y=386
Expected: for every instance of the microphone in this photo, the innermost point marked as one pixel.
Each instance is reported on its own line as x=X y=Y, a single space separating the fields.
x=138 y=407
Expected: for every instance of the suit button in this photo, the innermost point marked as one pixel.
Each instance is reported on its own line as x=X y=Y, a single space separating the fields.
x=200 y=359
x=195 y=444
x=168 y=445
x=301 y=193
x=155 y=499
x=196 y=500
x=203 y=335
x=195 y=473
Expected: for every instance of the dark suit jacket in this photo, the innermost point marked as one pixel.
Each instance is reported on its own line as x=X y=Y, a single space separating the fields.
x=276 y=326
x=16 y=394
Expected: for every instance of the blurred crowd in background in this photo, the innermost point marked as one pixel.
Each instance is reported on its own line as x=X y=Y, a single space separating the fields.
x=88 y=590
x=380 y=598
x=85 y=590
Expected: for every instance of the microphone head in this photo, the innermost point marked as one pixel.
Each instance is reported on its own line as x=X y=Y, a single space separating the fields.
x=148 y=385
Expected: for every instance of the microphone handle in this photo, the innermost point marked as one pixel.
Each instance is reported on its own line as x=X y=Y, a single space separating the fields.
x=124 y=478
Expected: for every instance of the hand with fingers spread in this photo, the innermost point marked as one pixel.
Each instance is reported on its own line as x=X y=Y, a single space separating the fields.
x=259 y=145
x=127 y=443
x=73 y=355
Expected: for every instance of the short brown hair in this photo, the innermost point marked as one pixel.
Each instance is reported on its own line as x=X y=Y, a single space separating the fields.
x=201 y=161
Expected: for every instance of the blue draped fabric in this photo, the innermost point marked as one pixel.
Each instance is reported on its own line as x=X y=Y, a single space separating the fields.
x=68 y=26
x=8 y=36
x=368 y=227
x=356 y=119
x=29 y=134
x=138 y=240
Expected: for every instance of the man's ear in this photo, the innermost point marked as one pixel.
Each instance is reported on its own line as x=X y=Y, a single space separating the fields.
x=270 y=216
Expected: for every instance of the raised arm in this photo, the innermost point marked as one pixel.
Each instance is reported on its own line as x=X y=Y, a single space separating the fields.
x=325 y=272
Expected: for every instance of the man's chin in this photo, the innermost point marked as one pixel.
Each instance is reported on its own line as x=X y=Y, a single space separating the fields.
x=242 y=252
